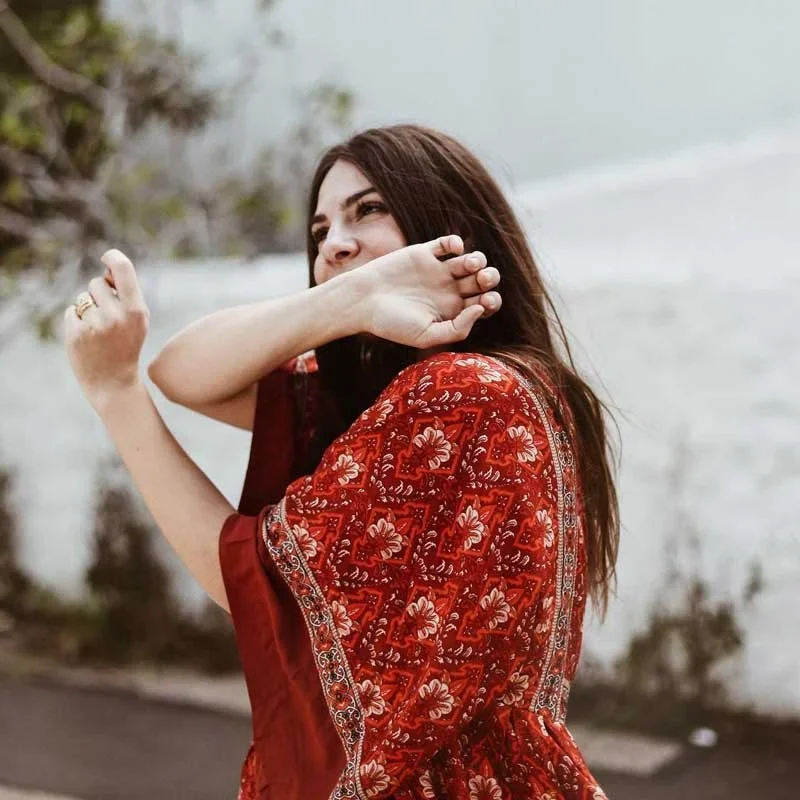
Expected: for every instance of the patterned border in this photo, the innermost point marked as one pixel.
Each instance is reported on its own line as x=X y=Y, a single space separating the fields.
x=329 y=654
x=545 y=696
x=553 y=689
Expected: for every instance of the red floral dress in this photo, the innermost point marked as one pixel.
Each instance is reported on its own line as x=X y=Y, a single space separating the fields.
x=410 y=615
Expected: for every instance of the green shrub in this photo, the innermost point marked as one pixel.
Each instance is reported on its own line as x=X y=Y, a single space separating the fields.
x=136 y=616
x=14 y=584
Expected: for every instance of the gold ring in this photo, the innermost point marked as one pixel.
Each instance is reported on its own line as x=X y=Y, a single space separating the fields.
x=83 y=302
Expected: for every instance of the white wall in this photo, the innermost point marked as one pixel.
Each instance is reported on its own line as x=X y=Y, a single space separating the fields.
x=679 y=280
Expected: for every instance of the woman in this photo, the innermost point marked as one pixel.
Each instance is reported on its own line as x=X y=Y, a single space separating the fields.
x=428 y=501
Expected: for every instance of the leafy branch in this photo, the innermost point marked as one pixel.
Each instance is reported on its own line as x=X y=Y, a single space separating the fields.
x=96 y=125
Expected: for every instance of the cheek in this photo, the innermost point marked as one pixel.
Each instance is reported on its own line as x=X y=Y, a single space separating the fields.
x=389 y=239
x=320 y=270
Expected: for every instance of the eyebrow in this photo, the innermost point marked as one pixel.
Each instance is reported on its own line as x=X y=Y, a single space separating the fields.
x=354 y=198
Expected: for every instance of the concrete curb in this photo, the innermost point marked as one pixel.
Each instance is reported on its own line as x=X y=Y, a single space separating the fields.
x=623 y=752
x=226 y=694
x=9 y=793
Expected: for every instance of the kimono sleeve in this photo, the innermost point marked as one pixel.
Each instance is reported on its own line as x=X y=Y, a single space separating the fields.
x=295 y=751
x=415 y=555
x=286 y=403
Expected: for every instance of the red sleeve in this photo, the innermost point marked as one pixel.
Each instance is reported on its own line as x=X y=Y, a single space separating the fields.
x=418 y=552
x=282 y=427
x=419 y=581
x=296 y=753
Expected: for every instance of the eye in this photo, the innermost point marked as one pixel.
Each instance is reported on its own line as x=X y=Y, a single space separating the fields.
x=369 y=207
x=319 y=234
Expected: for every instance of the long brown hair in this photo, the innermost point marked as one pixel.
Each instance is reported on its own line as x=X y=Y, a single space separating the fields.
x=433 y=185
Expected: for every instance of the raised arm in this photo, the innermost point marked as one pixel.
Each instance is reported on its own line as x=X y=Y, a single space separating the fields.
x=220 y=357
x=104 y=348
x=418 y=301
x=213 y=364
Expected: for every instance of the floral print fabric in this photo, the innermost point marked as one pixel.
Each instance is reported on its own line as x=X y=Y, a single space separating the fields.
x=437 y=556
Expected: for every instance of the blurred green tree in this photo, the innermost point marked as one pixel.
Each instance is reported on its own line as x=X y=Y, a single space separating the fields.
x=82 y=99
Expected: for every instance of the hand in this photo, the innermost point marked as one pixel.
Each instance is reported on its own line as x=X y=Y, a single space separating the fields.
x=416 y=299
x=105 y=345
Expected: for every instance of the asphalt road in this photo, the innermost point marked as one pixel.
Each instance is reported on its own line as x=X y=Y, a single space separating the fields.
x=105 y=745
x=110 y=745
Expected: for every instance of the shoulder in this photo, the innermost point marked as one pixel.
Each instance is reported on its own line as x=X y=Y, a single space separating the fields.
x=455 y=379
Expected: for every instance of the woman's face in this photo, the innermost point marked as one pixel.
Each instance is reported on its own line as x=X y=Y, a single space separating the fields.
x=351 y=225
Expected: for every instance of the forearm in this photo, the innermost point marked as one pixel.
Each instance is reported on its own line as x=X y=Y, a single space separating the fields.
x=221 y=354
x=186 y=506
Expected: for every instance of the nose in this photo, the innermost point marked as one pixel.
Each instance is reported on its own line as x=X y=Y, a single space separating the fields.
x=339 y=247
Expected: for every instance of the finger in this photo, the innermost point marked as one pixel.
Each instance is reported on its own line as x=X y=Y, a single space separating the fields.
x=102 y=293
x=446 y=246
x=455 y=330
x=74 y=325
x=71 y=322
x=479 y=282
x=466 y=264
x=491 y=301
x=124 y=278
x=462 y=324
x=109 y=279
x=89 y=311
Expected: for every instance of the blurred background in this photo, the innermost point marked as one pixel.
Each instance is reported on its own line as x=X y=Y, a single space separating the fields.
x=652 y=151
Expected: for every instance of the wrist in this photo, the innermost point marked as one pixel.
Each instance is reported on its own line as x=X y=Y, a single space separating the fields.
x=115 y=399
x=348 y=301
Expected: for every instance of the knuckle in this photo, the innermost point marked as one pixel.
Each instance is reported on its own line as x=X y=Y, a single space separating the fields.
x=139 y=313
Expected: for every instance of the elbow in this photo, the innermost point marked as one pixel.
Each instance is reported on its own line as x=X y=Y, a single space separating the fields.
x=158 y=375
x=175 y=387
